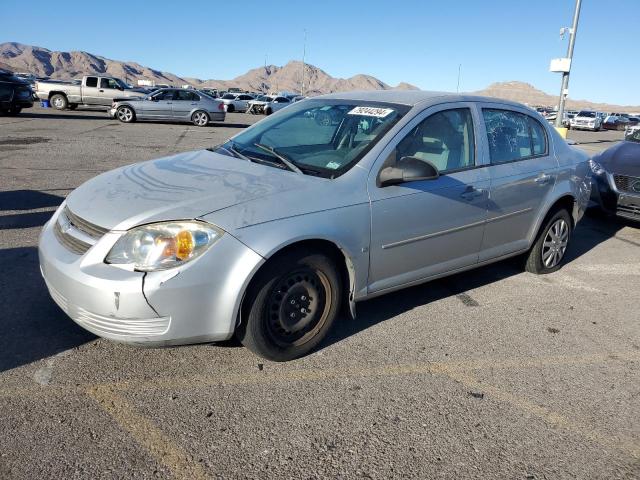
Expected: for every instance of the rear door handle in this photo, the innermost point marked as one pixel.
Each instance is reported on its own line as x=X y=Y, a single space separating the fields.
x=101 y=91
x=194 y=103
x=543 y=179
x=472 y=192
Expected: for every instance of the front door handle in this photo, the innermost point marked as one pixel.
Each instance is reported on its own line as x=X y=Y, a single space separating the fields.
x=543 y=179
x=472 y=192
x=101 y=91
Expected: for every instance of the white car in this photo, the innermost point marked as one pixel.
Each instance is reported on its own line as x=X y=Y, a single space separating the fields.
x=267 y=104
x=236 y=102
x=586 y=120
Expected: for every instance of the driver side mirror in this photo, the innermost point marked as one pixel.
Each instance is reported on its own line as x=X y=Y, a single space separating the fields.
x=407 y=169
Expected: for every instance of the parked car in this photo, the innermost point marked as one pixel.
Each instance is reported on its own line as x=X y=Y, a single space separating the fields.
x=212 y=92
x=93 y=90
x=15 y=94
x=267 y=234
x=616 y=177
x=235 y=102
x=586 y=120
x=174 y=104
x=613 y=122
x=267 y=104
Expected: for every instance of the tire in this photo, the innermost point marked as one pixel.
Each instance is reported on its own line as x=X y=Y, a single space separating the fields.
x=550 y=247
x=73 y=106
x=14 y=111
x=126 y=114
x=268 y=111
x=278 y=329
x=59 y=101
x=200 y=118
x=231 y=108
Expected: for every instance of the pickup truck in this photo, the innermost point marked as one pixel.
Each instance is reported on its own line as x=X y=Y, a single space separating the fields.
x=94 y=90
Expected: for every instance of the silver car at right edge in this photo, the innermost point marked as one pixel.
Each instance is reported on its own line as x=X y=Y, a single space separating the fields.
x=328 y=202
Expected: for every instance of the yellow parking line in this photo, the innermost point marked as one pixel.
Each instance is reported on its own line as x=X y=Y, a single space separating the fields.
x=147 y=434
x=626 y=445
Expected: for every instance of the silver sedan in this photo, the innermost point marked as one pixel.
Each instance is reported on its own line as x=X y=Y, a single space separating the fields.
x=331 y=201
x=170 y=104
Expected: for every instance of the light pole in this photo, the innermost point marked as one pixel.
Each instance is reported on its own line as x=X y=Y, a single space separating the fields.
x=304 y=54
x=565 y=75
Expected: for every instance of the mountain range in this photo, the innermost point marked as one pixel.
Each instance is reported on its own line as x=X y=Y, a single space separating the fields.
x=67 y=65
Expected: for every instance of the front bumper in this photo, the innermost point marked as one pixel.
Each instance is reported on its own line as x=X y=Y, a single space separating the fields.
x=197 y=302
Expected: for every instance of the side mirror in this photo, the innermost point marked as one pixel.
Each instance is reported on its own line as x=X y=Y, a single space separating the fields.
x=407 y=169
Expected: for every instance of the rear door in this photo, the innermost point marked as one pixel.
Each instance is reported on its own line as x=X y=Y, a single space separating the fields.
x=523 y=173
x=90 y=91
x=183 y=103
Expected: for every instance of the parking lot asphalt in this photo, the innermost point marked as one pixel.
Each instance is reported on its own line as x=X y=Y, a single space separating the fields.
x=493 y=373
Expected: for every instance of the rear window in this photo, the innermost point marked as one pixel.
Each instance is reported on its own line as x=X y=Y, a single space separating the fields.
x=92 y=82
x=587 y=114
x=513 y=136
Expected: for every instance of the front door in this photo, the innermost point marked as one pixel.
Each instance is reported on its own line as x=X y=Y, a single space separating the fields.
x=523 y=174
x=109 y=89
x=160 y=106
x=421 y=229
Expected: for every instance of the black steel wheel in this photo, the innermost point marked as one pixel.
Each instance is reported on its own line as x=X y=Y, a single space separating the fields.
x=290 y=305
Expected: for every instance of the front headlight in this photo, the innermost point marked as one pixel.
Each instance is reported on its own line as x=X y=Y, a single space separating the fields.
x=160 y=246
x=596 y=168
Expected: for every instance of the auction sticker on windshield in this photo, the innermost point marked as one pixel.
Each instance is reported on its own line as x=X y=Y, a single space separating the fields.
x=371 y=111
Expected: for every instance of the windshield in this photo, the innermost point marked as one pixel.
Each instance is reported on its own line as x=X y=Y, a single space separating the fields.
x=587 y=114
x=263 y=98
x=320 y=137
x=633 y=135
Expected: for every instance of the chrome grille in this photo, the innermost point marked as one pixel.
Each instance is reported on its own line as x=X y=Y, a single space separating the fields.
x=71 y=243
x=67 y=223
x=88 y=228
x=629 y=211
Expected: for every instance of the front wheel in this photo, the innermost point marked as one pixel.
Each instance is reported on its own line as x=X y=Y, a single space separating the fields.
x=548 y=251
x=125 y=114
x=14 y=110
x=231 y=108
x=290 y=306
x=200 y=119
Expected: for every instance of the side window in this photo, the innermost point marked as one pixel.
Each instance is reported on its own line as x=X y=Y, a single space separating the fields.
x=185 y=95
x=92 y=82
x=445 y=139
x=508 y=135
x=164 y=95
x=538 y=137
x=108 y=83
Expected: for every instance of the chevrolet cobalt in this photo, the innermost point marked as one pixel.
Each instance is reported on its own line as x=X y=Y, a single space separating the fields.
x=331 y=201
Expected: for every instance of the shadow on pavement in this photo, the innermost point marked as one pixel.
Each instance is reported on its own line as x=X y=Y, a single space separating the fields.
x=32 y=327
x=26 y=200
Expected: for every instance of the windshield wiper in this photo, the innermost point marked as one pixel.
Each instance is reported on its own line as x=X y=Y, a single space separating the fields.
x=288 y=163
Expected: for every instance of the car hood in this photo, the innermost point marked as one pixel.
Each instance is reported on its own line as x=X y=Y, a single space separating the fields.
x=623 y=159
x=184 y=186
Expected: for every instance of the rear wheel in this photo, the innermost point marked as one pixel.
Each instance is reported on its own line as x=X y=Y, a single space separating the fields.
x=548 y=251
x=125 y=114
x=231 y=108
x=290 y=306
x=200 y=119
x=268 y=111
x=14 y=110
x=59 y=101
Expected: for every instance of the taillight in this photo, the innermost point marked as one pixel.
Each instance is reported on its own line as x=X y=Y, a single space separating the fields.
x=221 y=106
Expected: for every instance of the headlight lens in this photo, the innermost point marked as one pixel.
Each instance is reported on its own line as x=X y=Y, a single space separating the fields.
x=163 y=245
x=596 y=167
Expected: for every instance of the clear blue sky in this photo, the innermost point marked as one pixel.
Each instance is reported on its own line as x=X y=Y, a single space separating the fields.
x=420 y=42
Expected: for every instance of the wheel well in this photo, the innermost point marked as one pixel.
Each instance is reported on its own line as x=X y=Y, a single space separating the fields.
x=51 y=94
x=325 y=247
x=566 y=202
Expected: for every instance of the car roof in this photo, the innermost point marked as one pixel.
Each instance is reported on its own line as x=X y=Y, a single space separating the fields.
x=415 y=97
